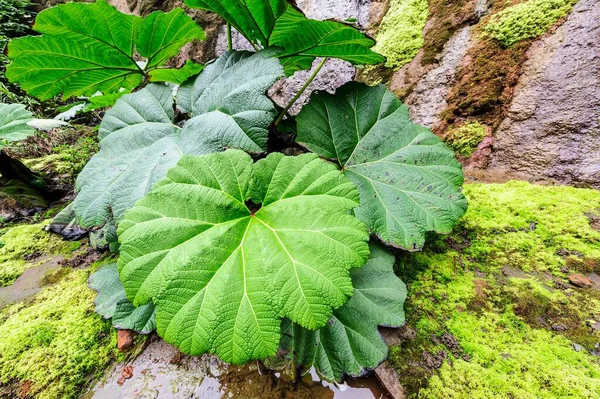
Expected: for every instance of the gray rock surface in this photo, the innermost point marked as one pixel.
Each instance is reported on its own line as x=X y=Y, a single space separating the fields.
x=335 y=73
x=428 y=100
x=553 y=126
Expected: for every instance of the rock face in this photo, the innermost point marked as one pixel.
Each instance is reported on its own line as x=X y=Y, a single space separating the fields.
x=553 y=126
x=428 y=100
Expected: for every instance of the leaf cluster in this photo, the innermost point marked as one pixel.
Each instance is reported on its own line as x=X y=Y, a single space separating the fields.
x=227 y=247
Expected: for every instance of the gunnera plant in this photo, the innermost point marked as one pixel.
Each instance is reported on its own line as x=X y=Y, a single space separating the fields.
x=225 y=245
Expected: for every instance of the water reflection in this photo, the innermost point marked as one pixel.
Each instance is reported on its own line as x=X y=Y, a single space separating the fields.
x=160 y=373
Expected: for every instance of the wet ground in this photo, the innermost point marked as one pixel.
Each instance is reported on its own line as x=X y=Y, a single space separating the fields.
x=30 y=282
x=161 y=372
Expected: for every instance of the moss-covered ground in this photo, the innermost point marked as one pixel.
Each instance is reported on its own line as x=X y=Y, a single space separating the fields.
x=24 y=246
x=494 y=311
x=51 y=346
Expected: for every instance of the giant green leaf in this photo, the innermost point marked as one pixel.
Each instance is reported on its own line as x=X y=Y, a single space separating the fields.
x=140 y=142
x=161 y=36
x=301 y=37
x=226 y=248
x=255 y=20
x=409 y=181
x=13 y=123
x=112 y=303
x=275 y=23
x=350 y=343
x=85 y=48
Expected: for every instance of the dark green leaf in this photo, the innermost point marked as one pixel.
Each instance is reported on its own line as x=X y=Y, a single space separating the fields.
x=350 y=344
x=162 y=35
x=275 y=23
x=408 y=179
x=86 y=48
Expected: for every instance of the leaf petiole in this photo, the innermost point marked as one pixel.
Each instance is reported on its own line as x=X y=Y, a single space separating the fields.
x=299 y=94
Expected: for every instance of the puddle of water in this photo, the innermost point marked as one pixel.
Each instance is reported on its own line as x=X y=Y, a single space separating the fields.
x=29 y=283
x=155 y=376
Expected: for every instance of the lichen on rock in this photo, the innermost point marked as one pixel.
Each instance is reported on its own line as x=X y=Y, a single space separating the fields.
x=401 y=32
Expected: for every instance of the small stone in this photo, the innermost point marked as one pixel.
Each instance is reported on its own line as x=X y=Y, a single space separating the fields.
x=559 y=327
x=596 y=326
x=576 y=347
x=388 y=377
x=125 y=339
x=126 y=374
x=579 y=280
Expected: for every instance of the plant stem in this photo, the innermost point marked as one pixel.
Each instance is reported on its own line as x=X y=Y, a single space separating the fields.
x=302 y=90
x=229 y=40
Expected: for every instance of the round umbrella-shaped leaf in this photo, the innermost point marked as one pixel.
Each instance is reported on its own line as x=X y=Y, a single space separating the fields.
x=350 y=343
x=409 y=181
x=226 y=248
x=140 y=142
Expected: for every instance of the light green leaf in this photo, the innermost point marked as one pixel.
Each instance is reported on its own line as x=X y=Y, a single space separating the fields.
x=162 y=35
x=350 y=343
x=13 y=122
x=86 y=48
x=275 y=23
x=139 y=141
x=255 y=20
x=409 y=181
x=226 y=248
x=176 y=75
x=111 y=302
x=103 y=101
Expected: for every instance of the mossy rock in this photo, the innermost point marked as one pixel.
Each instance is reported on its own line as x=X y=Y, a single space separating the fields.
x=401 y=32
x=527 y=20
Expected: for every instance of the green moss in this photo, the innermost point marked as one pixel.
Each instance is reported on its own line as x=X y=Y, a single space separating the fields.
x=465 y=139
x=499 y=282
x=19 y=241
x=526 y=20
x=446 y=17
x=401 y=33
x=528 y=227
x=483 y=86
x=509 y=359
x=66 y=160
x=57 y=341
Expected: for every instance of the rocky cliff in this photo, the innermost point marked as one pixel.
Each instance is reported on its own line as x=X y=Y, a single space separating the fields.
x=513 y=87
